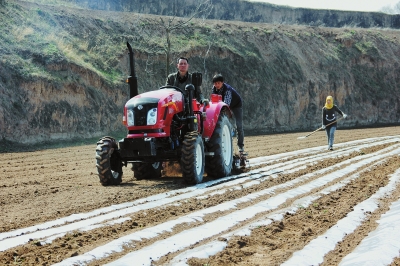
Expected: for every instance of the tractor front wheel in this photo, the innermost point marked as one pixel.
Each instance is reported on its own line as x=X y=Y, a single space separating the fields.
x=108 y=162
x=192 y=159
x=147 y=170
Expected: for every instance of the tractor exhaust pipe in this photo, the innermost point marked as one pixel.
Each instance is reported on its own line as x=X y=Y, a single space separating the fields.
x=191 y=118
x=132 y=79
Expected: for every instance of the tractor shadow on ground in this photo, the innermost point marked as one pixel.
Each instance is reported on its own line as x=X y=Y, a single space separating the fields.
x=171 y=177
x=172 y=171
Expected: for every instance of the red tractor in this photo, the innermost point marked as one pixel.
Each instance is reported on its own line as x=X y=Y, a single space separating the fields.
x=168 y=124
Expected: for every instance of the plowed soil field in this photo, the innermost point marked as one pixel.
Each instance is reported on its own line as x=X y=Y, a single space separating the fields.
x=295 y=204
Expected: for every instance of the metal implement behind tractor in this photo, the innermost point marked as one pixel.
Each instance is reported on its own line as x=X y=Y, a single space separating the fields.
x=168 y=124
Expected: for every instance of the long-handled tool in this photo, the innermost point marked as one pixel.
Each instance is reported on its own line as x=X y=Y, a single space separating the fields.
x=303 y=137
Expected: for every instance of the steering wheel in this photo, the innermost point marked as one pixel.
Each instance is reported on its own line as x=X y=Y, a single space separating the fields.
x=172 y=87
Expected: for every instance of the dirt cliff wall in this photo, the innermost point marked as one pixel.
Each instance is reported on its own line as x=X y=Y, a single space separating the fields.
x=63 y=77
x=250 y=12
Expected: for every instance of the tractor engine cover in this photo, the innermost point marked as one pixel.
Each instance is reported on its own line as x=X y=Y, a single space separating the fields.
x=150 y=114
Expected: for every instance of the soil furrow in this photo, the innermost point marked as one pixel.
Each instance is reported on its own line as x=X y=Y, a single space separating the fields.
x=46 y=185
x=274 y=244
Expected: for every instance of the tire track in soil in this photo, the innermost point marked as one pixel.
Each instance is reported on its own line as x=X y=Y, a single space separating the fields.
x=77 y=242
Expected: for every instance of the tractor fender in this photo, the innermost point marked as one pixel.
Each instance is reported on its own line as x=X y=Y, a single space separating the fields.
x=213 y=111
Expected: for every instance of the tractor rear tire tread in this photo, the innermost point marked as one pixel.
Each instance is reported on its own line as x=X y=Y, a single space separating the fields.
x=147 y=170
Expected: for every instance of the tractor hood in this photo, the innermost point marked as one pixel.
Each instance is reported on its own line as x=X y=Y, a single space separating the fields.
x=162 y=97
x=150 y=110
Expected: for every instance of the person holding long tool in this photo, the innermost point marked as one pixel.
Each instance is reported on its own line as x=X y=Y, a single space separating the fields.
x=329 y=118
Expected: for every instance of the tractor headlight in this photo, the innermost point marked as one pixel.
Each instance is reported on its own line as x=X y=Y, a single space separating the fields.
x=131 y=118
x=152 y=116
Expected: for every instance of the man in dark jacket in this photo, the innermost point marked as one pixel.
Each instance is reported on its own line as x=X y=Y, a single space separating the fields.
x=183 y=78
x=232 y=98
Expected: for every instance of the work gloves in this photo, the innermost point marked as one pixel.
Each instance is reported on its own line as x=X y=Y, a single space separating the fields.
x=323 y=127
x=205 y=102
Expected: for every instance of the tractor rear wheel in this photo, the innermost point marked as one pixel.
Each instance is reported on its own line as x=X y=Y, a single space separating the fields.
x=192 y=159
x=147 y=170
x=220 y=143
x=108 y=162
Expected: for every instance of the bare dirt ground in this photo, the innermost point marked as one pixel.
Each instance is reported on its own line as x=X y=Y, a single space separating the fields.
x=54 y=209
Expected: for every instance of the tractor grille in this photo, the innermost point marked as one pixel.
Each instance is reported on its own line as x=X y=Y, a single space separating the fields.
x=140 y=107
x=141 y=114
